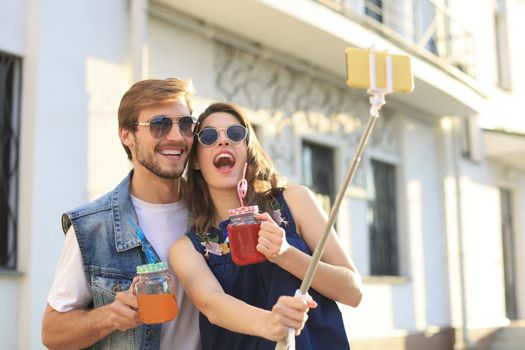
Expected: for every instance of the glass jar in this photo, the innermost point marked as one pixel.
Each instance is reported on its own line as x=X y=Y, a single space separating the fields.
x=156 y=293
x=243 y=233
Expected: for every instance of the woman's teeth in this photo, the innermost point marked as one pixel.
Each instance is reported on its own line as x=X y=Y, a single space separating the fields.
x=223 y=160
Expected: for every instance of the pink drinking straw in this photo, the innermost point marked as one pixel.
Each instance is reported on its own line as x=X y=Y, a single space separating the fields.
x=242 y=186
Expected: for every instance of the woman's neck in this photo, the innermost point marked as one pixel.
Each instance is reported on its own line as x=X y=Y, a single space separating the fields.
x=223 y=200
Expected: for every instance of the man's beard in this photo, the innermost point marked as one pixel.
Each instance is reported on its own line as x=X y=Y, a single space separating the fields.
x=147 y=161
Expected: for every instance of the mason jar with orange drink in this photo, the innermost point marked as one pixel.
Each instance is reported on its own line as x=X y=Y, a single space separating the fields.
x=155 y=290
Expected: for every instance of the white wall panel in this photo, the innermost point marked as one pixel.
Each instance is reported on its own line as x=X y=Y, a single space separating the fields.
x=13 y=24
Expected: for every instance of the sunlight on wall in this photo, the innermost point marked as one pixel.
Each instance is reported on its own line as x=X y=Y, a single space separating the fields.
x=365 y=321
x=107 y=162
x=417 y=249
x=446 y=123
x=482 y=252
x=453 y=250
x=482 y=238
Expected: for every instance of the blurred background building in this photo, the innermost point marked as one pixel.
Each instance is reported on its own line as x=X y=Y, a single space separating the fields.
x=434 y=219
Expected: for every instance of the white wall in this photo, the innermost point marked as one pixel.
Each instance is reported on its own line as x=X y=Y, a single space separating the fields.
x=12 y=41
x=516 y=11
x=425 y=236
x=63 y=39
x=504 y=112
x=176 y=52
x=480 y=186
x=13 y=33
x=9 y=291
x=483 y=254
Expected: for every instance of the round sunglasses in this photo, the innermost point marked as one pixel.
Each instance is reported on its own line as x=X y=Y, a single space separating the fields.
x=210 y=135
x=160 y=125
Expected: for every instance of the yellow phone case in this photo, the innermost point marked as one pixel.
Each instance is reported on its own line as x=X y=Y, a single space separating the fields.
x=358 y=70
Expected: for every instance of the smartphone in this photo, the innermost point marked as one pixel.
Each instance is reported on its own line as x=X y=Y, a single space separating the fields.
x=358 y=70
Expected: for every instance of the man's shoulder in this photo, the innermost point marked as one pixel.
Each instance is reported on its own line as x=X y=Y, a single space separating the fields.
x=103 y=203
x=98 y=205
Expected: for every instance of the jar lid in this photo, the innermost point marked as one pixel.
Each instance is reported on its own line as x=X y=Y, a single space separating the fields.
x=158 y=267
x=250 y=209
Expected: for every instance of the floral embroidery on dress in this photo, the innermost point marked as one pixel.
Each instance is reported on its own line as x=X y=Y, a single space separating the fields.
x=225 y=246
x=277 y=216
x=212 y=246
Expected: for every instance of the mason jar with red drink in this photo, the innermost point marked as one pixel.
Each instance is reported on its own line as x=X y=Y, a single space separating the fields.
x=243 y=233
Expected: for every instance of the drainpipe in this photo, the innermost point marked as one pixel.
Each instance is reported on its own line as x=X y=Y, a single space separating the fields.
x=467 y=343
x=138 y=38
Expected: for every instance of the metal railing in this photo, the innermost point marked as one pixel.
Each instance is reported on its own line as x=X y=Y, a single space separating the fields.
x=422 y=24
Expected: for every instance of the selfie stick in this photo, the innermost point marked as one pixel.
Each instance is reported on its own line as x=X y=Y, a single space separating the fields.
x=377 y=100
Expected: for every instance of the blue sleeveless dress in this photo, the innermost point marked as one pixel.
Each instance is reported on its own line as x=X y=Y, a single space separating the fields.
x=261 y=285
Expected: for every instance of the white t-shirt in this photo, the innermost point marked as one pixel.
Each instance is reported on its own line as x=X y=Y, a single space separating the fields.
x=162 y=225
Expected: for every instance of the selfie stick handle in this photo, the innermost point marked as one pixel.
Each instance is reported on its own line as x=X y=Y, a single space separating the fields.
x=377 y=100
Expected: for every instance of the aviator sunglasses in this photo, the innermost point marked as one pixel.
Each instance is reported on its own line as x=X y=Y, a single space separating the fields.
x=210 y=135
x=160 y=125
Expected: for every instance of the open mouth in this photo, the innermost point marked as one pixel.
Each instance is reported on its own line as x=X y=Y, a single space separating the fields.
x=224 y=161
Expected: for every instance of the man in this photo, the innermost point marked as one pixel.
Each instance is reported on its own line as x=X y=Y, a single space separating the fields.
x=90 y=304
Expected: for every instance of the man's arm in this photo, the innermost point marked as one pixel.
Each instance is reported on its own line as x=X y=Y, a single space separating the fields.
x=74 y=329
x=68 y=323
x=80 y=328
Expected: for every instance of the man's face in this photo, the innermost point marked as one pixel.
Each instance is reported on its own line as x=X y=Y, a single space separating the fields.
x=166 y=156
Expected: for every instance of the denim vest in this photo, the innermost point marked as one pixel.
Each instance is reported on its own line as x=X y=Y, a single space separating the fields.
x=110 y=253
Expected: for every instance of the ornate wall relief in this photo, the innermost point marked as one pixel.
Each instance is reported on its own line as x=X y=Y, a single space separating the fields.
x=290 y=100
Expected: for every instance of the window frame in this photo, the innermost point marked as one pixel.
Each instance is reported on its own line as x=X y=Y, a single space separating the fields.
x=501 y=45
x=394 y=162
x=323 y=140
x=11 y=173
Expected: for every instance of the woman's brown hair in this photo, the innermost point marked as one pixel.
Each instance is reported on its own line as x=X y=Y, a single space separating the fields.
x=264 y=183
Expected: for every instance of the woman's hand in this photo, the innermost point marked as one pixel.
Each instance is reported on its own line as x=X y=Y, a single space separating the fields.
x=272 y=238
x=288 y=312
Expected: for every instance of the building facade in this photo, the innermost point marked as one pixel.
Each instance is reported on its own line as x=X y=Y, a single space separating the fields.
x=434 y=217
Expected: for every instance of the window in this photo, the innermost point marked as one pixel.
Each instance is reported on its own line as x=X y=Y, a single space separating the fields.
x=470 y=138
x=425 y=25
x=502 y=49
x=466 y=137
x=9 y=141
x=384 y=256
x=318 y=169
x=374 y=9
x=509 y=261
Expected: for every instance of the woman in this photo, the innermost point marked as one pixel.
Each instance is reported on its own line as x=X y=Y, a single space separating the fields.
x=233 y=300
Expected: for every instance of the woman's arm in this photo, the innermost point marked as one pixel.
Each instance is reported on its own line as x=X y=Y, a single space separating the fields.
x=336 y=277
x=226 y=311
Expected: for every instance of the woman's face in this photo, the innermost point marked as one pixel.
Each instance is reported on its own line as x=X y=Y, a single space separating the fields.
x=222 y=163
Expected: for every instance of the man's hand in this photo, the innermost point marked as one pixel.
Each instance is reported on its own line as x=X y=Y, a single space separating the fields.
x=123 y=311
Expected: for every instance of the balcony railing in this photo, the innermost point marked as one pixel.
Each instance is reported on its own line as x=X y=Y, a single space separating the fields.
x=421 y=24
